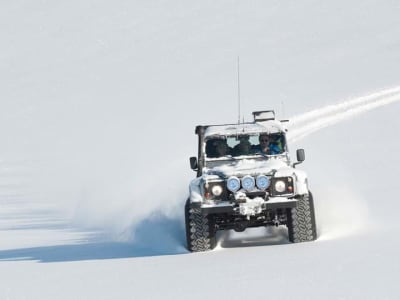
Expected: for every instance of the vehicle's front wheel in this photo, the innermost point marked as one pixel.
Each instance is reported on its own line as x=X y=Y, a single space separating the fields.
x=301 y=220
x=200 y=230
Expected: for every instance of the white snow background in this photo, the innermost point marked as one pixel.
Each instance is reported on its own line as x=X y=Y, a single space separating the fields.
x=98 y=105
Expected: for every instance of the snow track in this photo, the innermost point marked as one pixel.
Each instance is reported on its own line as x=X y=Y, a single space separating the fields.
x=312 y=121
x=332 y=221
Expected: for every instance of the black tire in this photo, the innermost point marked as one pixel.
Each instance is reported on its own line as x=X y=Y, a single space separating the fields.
x=200 y=230
x=301 y=221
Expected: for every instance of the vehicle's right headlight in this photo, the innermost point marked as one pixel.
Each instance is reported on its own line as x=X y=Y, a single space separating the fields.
x=214 y=190
x=217 y=190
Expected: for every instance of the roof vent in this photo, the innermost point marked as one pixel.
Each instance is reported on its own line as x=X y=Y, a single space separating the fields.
x=264 y=115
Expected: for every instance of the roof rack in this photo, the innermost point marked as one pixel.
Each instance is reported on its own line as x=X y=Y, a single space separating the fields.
x=263 y=115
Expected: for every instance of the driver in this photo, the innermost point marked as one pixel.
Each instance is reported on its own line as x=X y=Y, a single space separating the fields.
x=266 y=146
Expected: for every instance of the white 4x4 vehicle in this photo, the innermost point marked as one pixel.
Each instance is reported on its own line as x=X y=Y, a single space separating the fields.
x=245 y=179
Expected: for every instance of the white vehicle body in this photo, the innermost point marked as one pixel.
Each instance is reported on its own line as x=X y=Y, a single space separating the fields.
x=241 y=183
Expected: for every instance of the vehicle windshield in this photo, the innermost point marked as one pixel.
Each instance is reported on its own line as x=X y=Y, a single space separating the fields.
x=217 y=147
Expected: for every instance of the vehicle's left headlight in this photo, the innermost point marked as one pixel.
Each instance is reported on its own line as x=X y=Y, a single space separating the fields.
x=282 y=186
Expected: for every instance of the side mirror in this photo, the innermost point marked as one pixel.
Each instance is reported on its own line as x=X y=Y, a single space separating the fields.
x=193 y=163
x=301 y=156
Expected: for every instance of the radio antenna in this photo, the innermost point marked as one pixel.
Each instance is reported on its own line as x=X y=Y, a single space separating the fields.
x=283 y=109
x=238 y=83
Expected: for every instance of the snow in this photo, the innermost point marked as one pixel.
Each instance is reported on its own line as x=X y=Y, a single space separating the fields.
x=244 y=166
x=307 y=123
x=98 y=105
x=252 y=128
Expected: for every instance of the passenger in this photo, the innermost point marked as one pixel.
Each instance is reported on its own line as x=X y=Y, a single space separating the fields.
x=222 y=148
x=244 y=146
x=217 y=147
x=266 y=146
x=210 y=148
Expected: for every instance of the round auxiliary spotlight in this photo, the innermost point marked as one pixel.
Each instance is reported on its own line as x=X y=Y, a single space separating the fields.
x=248 y=183
x=262 y=182
x=233 y=184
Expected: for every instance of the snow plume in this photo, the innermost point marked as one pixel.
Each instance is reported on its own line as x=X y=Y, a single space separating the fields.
x=150 y=205
x=310 y=122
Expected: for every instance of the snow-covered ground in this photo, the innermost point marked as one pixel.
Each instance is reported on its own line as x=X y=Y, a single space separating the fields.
x=98 y=104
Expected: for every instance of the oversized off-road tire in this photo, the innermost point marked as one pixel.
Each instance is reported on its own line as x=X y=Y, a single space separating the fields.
x=200 y=230
x=301 y=221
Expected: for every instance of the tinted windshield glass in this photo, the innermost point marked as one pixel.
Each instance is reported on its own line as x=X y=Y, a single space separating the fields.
x=262 y=144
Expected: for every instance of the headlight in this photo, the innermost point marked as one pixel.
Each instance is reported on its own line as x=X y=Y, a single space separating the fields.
x=233 y=184
x=280 y=186
x=248 y=183
x=217 y=190
x=262 y=182
x=214 y=190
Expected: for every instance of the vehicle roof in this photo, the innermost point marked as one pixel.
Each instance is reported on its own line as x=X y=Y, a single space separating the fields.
x=270 y=126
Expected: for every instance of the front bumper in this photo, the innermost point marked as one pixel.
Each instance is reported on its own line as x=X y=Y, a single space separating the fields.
x=235 y=208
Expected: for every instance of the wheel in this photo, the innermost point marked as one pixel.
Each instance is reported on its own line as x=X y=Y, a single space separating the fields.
x=301 y=221
x=200 y=230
